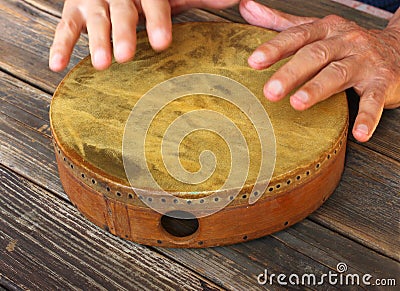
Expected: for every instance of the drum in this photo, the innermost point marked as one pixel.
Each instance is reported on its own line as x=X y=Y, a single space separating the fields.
x=181 y=149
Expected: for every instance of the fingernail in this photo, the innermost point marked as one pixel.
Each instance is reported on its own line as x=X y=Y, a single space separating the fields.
x=159 y=38
x=301 y=97
x=57 y=62
x=56 y=59
x=362 y=129
x=123 y=52
x=100 y=59
x=99 y=56
x=258 y=57
x=121 y=48
x=273 y=89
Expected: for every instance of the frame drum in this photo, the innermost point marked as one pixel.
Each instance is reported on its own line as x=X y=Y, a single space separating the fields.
x=181 y=149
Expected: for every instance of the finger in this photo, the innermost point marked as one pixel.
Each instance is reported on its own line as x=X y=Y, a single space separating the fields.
x=369 y=114
x=158 y=23
x=124 y=18
x=66 y=35
x=260 y=15
x=334 y=78
x=304 y=65
x=98 y=27
x=287 y=43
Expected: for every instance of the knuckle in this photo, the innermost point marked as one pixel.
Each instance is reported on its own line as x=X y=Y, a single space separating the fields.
x=273 y=47
x=333 y=19
x=68 y=25
x=359 y=37
x=288 y=73
x=301 y=33
x=315 y=88
x=318 y=52
x=275 y=20
x=374 y=99
x=100 y=15
x=118 y=6
x=341 y=72
x=125 y=6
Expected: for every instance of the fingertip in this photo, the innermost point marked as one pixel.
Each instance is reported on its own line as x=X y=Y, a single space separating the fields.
x=160 y=38
x=57 y=62
x=369 y=113
x=273 y=90
x=361 y=133
x=258 y=60
x=101 y=59
x=124 y=52
x=299 y=100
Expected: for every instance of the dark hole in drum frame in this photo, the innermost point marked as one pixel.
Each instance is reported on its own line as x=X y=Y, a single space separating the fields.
x=179 y=223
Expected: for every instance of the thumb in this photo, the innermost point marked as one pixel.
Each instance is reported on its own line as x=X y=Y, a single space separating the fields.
x=369 y=113
x=260 y=15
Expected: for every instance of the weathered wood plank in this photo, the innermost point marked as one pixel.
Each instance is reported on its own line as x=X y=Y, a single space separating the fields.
x=5 y=283
x=369 y=189
x=387 y=135
x=30 y=153
x=53 y=7
x=319 y=245
x=33 y=121
x=45 y=245
x=289 y=252
x=24 y=46
x=26 y=98
x=310 y=8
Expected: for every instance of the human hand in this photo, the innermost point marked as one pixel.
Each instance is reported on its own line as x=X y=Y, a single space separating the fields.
x=119 y=18
x=329 y=56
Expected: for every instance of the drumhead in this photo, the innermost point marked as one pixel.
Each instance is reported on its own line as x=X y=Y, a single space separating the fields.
x=90 y=110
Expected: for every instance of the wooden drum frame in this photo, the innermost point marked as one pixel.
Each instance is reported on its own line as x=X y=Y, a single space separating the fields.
x=90 y=108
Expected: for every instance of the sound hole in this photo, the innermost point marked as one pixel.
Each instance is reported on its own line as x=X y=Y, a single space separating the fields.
x=179 y=223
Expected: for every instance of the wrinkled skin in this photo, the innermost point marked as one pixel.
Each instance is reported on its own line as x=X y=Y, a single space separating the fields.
x=329 y=54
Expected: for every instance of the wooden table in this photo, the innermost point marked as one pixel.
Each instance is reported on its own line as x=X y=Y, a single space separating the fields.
x=46 y=244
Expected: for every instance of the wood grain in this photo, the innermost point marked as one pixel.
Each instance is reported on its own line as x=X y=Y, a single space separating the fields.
x=319 y=9
x=30 y=153
x=305 y=246
x=45 y=244
x=369 y=189
x=25 y=56
x=363 y=211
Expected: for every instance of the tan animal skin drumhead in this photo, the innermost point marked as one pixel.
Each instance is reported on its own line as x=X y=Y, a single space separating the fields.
x=89 y=117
